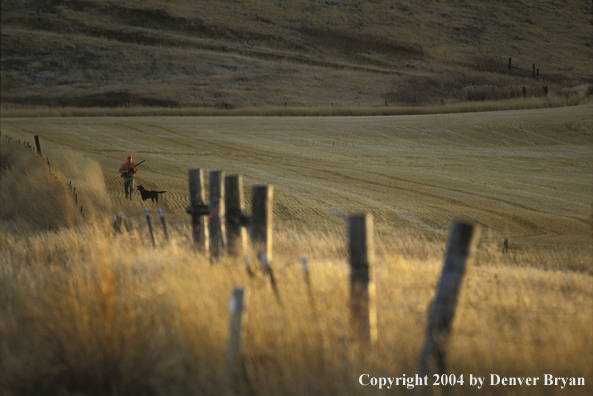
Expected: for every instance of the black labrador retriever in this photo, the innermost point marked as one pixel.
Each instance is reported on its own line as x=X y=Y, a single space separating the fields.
x=146 y=194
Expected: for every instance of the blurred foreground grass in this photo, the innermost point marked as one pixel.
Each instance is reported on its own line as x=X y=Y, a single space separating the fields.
x=87 y=311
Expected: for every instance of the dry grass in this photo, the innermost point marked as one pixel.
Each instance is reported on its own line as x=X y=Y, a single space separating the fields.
x=305 y=54
x=92 y=312
x=36 y=195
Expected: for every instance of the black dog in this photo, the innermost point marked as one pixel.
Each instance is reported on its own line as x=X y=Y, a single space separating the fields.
x=149 y=194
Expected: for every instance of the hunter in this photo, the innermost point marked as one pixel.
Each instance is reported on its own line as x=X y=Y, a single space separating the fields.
x=128 y=171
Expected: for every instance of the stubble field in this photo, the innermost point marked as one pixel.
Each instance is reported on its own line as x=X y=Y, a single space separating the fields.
x=525 y=175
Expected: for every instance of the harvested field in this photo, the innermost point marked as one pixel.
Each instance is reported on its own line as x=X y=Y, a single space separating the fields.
x=525 y=175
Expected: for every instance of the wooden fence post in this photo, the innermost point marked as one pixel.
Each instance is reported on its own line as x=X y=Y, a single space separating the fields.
x=235 y=218
x=37 y=144
x=524 y=92
x=533 y=70
x=461 y=241
x=261 y=223
x=198 y=210
x=164 y=224
x=217 y=220
x=363 y=313
x=236 y=335
x=509 y=65
x=261 y=230
x=125 y=221
x=117 y=223
x=149 y=226
x=306 y=275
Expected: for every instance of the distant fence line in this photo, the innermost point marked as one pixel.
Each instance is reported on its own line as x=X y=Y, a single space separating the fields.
x=9 y=140
x=534 y=72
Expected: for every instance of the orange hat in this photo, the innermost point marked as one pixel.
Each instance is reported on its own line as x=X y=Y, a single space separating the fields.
x=130 y=156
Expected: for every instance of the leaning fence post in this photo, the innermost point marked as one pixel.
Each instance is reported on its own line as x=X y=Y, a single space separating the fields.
x=149 y=226
x=217 y=224
x=461 y=241
x=37 y=144
x=363 y=314
x=235 y=218
x=236 y=334
x=198 y=210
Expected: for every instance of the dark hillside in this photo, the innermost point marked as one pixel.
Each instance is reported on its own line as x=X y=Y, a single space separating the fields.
x=229 y=54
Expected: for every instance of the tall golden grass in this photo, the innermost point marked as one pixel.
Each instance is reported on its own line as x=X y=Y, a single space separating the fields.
x=568 y=97
x=91 y=311
x=36 y=195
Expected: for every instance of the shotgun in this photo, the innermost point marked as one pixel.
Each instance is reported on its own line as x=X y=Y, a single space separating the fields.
x=123 y=174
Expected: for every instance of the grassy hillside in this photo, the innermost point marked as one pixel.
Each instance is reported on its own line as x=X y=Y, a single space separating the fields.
x=232 y=54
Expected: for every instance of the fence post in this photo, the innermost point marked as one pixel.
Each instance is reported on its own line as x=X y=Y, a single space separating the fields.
x=524 y=92
x=198 y=210
x=236 y=334
x=261 y=230
x=149 y=226
x=461 y=241
x=125 y=221
x=305 y=266
x=235 y=219
x=261 y=227
x=509 y=65
x=117 y=223
x=217 y=220
x=363 y=314
x=37 y=144
x=164 y=224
